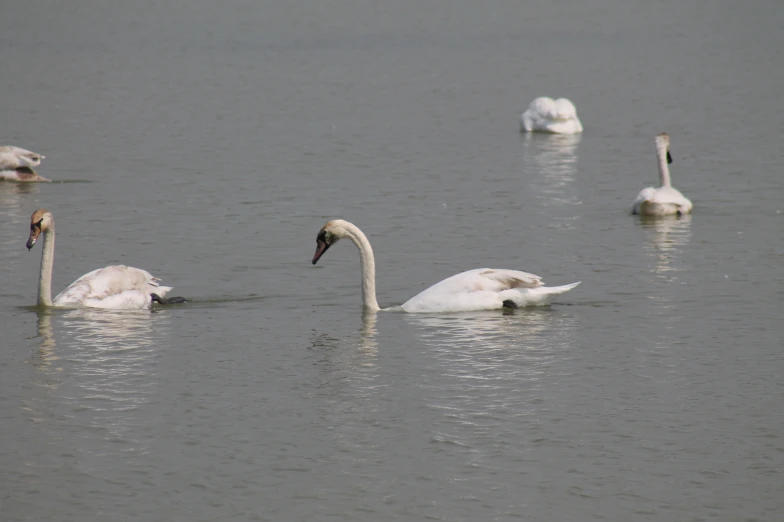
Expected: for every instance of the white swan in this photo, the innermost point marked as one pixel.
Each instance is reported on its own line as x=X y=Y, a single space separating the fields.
x=478 y=289
x=117 y=287
x=547 y=115
x=16 y=164
x=664 y=200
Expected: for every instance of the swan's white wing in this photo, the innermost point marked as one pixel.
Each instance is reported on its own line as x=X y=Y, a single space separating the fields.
x=9 y=161
x=116 y=286
x=478 y=289
x=645 y=194
x=536 y=113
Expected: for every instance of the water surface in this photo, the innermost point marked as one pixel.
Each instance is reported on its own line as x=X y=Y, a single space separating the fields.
x=210 y=143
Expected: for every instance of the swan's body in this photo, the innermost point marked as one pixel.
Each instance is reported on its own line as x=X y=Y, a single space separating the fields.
x=478 y=289
x=16 y=164
x=665 y=200
x=116 y=287
x=547 y=115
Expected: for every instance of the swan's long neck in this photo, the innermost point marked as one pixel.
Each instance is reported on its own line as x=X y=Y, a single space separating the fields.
x=47 y=260
x=367 y=263
x=664 y=168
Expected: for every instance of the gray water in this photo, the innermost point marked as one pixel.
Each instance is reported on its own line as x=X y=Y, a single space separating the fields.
x=208 y=142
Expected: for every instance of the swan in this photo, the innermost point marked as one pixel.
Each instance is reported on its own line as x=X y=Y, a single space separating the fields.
x=664 y=200
x=478 y=289
x=547 y=115
x=16 y=164
x=116 y=287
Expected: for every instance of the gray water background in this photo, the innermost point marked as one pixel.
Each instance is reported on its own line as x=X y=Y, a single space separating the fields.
x=208 y=142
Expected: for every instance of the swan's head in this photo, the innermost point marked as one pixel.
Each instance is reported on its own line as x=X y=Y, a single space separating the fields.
x=34 y=159
x=329 y=234
x=40 y=221
x=663 y=144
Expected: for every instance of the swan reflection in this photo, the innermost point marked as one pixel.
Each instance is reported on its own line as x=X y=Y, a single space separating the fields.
x=492 y=347
x=665 y=237
x=99 y=369
x=358 y=350
x=552 y=158
x=491 y=371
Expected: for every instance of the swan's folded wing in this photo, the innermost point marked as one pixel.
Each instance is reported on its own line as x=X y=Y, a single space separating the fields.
x=500 y=280
x=106 y=282
x=484 y=280
x=10 y=161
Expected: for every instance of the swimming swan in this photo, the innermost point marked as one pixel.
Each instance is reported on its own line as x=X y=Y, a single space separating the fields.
x=664 y=200
x=117 y=287
x=547 y=115
x=16 y=164
x=478 y=289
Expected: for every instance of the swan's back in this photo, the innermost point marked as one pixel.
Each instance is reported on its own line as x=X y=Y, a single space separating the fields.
x=662 y=201
x=545 y=114
x=116 y=287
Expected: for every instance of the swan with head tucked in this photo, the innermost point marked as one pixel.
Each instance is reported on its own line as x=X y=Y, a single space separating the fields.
x=16 y=164
x=547 y=115
x=665 y=200
x=116 y=287
x=478 y=289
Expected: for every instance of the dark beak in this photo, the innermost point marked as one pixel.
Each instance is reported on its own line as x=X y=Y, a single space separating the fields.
x=321 y=247
x=669 y=158
x=30 y=242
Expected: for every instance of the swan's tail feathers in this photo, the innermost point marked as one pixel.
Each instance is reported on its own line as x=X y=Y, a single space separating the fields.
x=162 y=290
x=556 y=290
x=540 y=296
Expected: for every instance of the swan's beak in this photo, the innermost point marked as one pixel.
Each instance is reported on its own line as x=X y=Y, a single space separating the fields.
x=32 y=239
x=669 y=158
x=321 y=247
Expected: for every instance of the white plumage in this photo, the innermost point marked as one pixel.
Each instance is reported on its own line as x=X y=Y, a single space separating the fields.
x=116 y=287
x=484 y=289
x=478 y=289
x=664 y=200
x=547 y=115
x=16 y=164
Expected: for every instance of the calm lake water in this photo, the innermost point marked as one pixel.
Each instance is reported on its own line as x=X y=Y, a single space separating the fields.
x=208 y=142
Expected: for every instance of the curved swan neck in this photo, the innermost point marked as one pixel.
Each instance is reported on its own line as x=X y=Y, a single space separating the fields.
x=47 y=260
x=664 y=169
x=367 y=263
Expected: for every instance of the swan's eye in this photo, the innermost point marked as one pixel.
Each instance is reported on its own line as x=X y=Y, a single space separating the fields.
x=36 y=225
x=323 y=237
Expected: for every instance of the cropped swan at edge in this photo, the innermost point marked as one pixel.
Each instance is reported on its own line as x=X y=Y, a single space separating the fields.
x=478 y=289
x=665 y=200
x=16 y=164
x=116 y=287
x=547 y=115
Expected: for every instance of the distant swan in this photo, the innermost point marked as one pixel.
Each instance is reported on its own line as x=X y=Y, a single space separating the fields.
x=16 y=164
x=547 y=115
x=664 y=200
x=478 y=289
x=117 y=287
